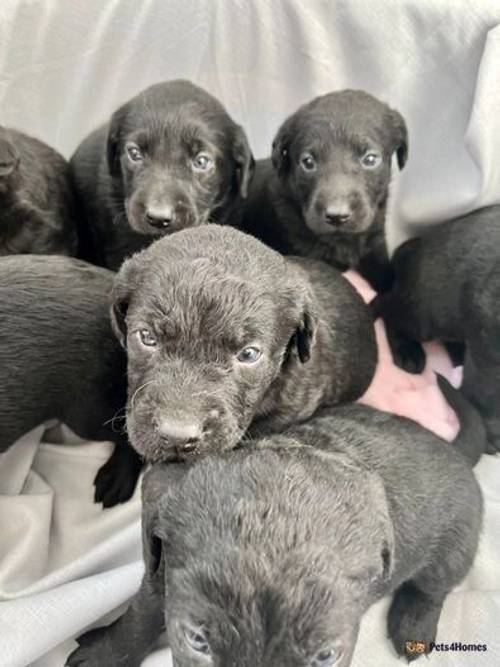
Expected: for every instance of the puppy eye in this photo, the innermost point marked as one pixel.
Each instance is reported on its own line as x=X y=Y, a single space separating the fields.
x=197 y=641
x=147 y=338
x=325 y=658
x=370 y=160
x=307 y=162
x=249 y=355
x=134 y=153
x=202 y=162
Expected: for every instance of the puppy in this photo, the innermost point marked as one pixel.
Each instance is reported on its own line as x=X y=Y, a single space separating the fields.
x=447 y=285
x=37 y=211
x=60 y=359
x=222 y=332
x=269 y=556
x=324 y=194
x=168 y=159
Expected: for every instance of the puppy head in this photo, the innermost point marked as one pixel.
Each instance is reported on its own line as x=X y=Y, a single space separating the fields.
x=334 y=154
x=9 y=163
x=210 y=318
x=262 y=565
x=177 y=158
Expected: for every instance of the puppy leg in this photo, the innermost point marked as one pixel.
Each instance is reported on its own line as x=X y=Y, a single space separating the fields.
x=116 y=480
x=128 y=640
x=417 y=604
x=376 y=268
x=407 y=353
x=413 y=616
x=481 y=385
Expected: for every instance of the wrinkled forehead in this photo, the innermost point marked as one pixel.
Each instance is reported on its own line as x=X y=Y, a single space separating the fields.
x=193 y=300
x=245 y=612
x=325 y=135
x=186 y=124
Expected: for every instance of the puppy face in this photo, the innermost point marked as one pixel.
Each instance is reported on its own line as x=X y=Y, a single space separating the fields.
x=177 y=158
x=228 y=614
x=265 y=564
x=208 y=326
x=9 y=163
x=334 y=155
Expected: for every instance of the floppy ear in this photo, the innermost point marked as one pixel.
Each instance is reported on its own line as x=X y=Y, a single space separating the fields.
x=113 y=142
x=305 y=335
x=123 y=287
x=280 y=155
x=244 y=160
x=160 y=483
x=400 y=137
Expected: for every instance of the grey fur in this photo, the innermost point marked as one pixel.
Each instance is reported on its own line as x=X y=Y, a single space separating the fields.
x=275 y=552
x=447 y=287
x=37 y=208
x=290 y=209
x=206 y=294
x=171 y=122
x=60 y=359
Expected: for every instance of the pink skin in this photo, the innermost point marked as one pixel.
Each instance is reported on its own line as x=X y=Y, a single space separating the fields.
x=417 y=397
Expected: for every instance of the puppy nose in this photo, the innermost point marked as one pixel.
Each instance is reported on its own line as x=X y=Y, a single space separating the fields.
x=337 y=216
x=183 y=436
x=160 y=218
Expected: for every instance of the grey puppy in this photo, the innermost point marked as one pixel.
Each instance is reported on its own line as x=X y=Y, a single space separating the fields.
x=324 y=194
x=447 y=286
x=170 y=158
x=222 y=332
x=269 y=556
x=37 y=209
x=60 y=360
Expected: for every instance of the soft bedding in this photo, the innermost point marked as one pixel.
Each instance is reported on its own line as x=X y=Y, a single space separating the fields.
x=66 y=564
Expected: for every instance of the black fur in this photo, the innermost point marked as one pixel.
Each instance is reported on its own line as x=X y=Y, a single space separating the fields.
x=204 y=295
x=37 y=208
x=59 y=360
x=335 y=211
x=129 y=203
x=272 y=554
x=447 y=287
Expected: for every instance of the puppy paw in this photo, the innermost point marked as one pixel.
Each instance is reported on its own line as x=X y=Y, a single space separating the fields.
x=409 y=356
x=413 y=618
x=493 y=435
x=116 y=480
x=95 y=650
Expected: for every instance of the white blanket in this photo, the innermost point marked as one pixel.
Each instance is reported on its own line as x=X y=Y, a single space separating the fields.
x=64 y=563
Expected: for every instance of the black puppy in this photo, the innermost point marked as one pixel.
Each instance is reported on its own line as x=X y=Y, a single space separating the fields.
x=325 y=193
x=170 y=158
x=269 y=556
x=37 y=211
x=446 y=286
x=59 y=359
x=223 y=333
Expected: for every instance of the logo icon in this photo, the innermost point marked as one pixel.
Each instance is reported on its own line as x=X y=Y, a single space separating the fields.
x=413 y=647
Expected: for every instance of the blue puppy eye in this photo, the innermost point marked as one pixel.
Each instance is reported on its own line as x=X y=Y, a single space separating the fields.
x=325 y=658
x=307 y=161
x=370 y=160
x=147 y=338
x=249 y=355
x=134 y=153
x=202 y=162
x=197 y=641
